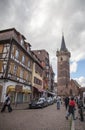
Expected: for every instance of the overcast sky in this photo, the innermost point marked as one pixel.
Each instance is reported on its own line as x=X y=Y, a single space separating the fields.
x=42 y=23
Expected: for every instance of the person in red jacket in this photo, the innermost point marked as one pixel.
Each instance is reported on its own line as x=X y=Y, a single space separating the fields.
x=71 y=109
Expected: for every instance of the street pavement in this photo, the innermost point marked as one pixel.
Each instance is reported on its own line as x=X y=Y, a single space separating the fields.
x=48 y=118
x=79 y=125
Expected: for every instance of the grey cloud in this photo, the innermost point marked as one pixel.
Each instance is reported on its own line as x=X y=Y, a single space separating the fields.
x=66 y=15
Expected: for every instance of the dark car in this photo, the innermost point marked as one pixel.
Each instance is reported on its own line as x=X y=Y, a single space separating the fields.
x=33 y=104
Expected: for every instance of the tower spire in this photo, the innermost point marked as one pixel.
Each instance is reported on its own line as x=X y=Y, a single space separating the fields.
x=63 y=46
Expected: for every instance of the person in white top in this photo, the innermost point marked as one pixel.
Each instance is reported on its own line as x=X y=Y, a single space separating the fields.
x=7 y=104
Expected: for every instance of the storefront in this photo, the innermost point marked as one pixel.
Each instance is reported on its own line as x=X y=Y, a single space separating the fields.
x=11 y=90
x=19 y=93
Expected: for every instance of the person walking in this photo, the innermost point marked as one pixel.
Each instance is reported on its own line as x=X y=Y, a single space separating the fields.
x=58 y=101
x=7 y=104
x=71 y=109
x=66 y=100
x=80 y=107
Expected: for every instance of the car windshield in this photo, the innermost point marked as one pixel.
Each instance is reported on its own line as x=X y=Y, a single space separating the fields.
x=41 y=99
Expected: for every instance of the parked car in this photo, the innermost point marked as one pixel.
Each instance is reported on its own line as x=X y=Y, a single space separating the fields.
x=50 y=101
x=33 y=104
x=42 y=102
x=54 y=99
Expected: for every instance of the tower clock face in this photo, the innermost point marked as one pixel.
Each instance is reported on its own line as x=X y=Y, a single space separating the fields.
x=60 y=59
x=63 y=58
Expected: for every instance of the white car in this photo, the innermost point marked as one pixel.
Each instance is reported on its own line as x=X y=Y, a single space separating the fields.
x=42 y=102
x=50 y=100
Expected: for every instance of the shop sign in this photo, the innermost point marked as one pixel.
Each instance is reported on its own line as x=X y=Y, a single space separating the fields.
x=18 y=88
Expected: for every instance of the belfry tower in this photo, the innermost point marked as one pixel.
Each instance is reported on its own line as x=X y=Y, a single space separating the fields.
x=63 y=69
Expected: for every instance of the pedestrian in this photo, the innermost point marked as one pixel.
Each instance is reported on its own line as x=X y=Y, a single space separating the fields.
x=80 y=102
x=66 y=100
x=71 y=108
x=80 y=106
x=7 y=104
x=58 y=101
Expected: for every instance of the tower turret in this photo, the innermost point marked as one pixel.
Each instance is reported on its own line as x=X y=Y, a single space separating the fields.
x=63 y=68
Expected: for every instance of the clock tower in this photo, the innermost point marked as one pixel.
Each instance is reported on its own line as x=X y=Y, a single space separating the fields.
x=63 y=69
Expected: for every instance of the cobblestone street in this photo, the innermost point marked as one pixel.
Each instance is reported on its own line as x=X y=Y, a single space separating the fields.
x=48 y=118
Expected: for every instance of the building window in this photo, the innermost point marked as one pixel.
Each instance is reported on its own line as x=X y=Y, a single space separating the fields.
x=22 y=42
x=29 y=63
x=27 y=77
x=21 y=73
x=37 y=81
x=17 y=54
x=15 y=69
x=23 y=59
x=28 y=49
x=46 y=61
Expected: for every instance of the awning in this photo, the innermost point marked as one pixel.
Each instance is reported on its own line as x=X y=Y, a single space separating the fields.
x=39 y=88
x=11 y=89
x=51 y=93
x=26 y=91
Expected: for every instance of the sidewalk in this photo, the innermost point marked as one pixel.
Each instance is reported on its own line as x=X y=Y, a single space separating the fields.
x=18 y=106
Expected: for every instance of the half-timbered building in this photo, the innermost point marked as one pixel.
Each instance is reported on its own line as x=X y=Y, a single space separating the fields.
x=16 y=64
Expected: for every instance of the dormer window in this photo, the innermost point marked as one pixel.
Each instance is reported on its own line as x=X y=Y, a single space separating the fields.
x=28 y=48
x=22 y=42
